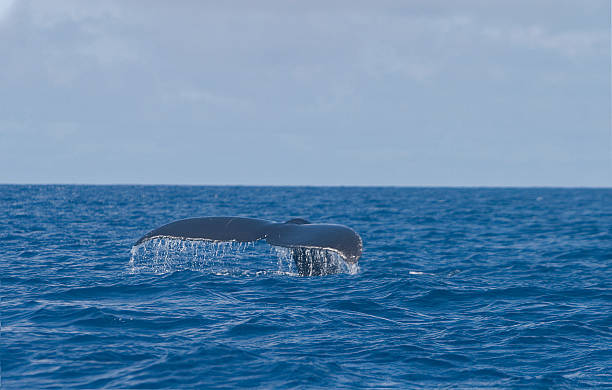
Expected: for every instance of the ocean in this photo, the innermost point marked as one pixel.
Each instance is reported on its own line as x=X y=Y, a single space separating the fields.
x=456 y=288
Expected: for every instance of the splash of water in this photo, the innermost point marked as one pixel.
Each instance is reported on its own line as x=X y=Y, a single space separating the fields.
x=315 y=261
x=163 y=255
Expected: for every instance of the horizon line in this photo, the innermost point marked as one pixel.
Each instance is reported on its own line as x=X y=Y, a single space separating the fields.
x=313 y=185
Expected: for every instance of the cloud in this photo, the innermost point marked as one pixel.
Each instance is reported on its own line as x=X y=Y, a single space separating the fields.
x=5 y=8
x=567 y=43
x=327 y=82
x=189 y=94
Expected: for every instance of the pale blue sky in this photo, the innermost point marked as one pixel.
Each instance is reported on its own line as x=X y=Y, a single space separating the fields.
x=458 y=93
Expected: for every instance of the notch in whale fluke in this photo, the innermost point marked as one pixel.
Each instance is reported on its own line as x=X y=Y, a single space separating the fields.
x=295 y=234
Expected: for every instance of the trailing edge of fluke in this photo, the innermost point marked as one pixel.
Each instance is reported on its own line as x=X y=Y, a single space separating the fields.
x=295 y=233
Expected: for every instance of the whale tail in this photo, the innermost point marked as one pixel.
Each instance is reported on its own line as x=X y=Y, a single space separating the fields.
x=312 y=245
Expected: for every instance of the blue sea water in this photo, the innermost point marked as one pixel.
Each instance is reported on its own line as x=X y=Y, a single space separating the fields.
x=457 y=288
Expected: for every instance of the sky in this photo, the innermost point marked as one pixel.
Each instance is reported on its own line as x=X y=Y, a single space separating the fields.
x=399 y=93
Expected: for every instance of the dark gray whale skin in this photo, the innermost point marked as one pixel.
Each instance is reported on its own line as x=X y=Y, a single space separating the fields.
x=297 y=234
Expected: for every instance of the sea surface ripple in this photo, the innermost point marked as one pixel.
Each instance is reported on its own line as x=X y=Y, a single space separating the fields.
x=468 y=288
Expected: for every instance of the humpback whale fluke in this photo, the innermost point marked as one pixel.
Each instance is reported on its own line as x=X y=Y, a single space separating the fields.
x=299 y=235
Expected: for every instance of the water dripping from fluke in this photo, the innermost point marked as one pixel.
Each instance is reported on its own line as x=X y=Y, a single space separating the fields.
x=301 y=248
x=166 y=255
